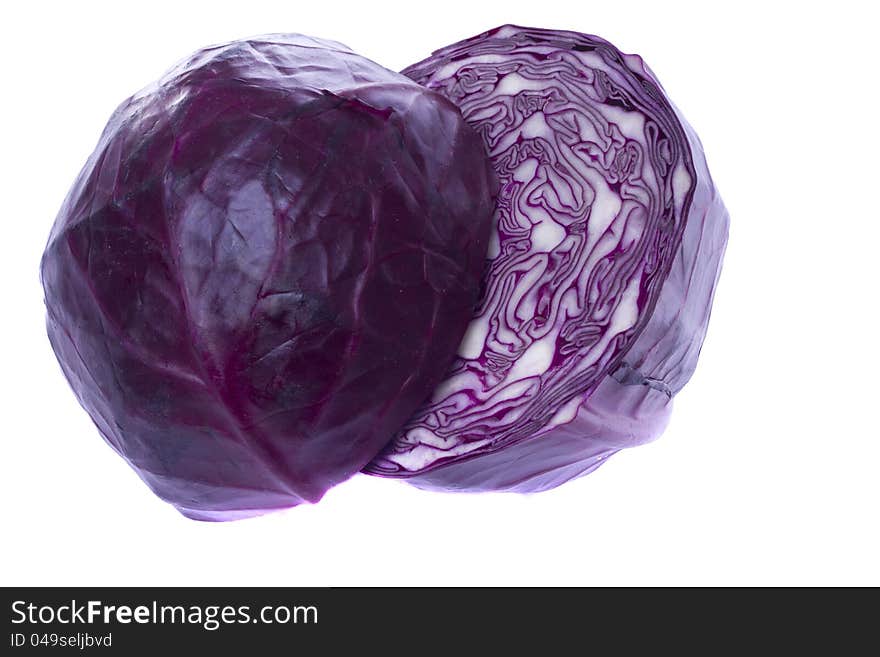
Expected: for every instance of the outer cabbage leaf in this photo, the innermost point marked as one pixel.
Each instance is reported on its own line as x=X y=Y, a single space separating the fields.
x=607 y=245
x=264 y=267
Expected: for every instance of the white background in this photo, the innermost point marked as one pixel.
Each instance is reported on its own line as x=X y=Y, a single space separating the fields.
x=768 y=473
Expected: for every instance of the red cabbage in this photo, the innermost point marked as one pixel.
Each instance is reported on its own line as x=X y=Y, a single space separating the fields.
x=264 y=268
x=607 y=246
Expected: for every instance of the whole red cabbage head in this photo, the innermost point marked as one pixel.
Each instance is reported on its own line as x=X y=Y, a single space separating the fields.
x=264 y=268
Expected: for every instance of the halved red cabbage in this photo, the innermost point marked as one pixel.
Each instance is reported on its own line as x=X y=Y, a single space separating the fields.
x=264 y=267
x=607 y=246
